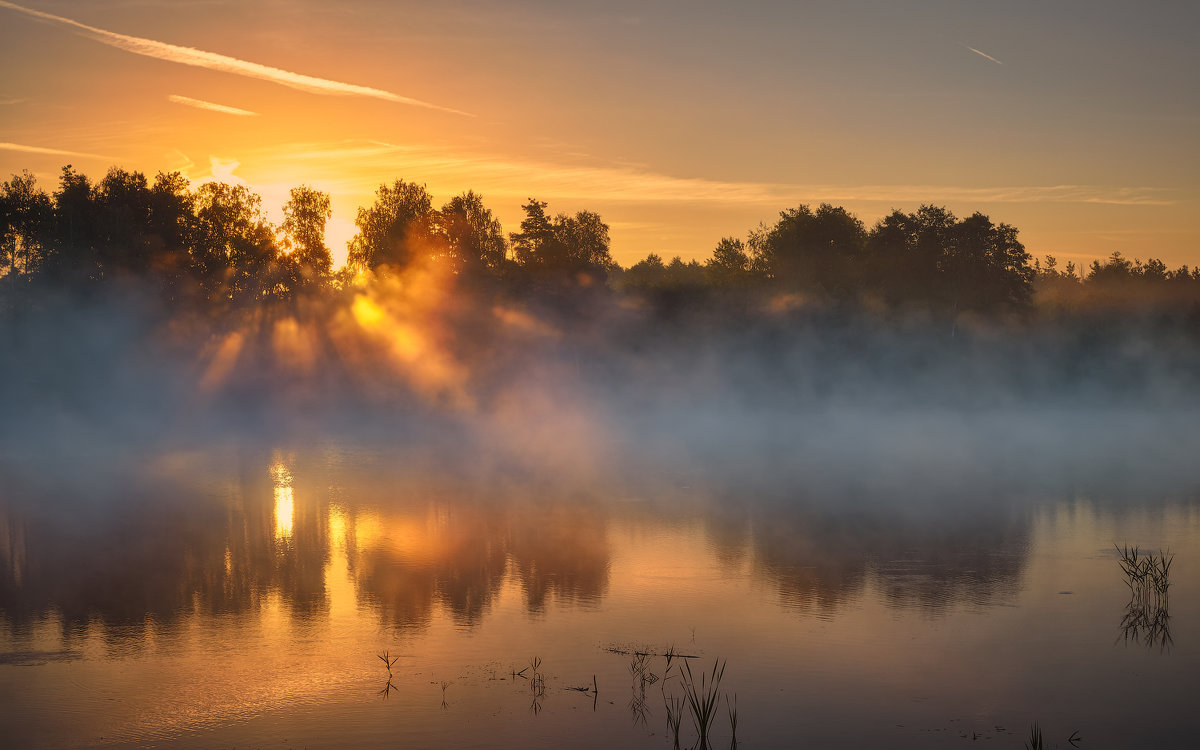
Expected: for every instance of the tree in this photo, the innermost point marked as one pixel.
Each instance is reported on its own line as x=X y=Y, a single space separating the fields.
x=25 y=215
x=475 y=237
x=72 y=257
x=535 y=245
x=173 y=230
x=986 y=268
x=395 y=230
x=576 y=244
x=729 y=264
x=304 y=218
x=235 y=254
x=930 y=258
x=1116 y=269
x=123 y=234
x=814 y=251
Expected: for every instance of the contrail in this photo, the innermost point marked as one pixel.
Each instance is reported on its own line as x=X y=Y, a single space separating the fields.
x=201 y=104
x=982 y=54
x=51 y=151
x=224 y=63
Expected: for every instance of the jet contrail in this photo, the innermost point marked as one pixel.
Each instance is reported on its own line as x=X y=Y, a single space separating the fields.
x=982 y=54
x=52 y=151
x=213 y=61
x=201 y=104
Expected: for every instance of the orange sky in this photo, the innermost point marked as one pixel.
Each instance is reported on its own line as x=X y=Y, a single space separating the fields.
x=679 y=122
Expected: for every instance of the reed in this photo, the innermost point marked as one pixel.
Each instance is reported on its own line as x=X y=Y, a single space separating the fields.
x=537 y=680
x=1035 y=738
x=703 y=697
x=731 y=708
x=388 y=660
x=1148 y=576
x=674 y=708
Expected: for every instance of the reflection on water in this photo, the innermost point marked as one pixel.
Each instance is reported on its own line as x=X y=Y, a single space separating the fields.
x=274 y=582
x=285 y=501
x=143 y=559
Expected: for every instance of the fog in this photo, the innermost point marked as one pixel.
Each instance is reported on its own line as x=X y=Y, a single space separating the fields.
x=606 y=395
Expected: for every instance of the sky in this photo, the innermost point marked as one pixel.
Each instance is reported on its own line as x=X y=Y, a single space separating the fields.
x=679 y=121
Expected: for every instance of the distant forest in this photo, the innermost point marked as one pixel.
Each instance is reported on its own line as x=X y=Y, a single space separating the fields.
x=212 y=248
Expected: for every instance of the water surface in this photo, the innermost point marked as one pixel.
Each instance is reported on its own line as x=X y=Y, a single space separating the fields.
x=241 y=595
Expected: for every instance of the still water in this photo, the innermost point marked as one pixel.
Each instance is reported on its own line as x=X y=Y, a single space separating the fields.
x=244 y=597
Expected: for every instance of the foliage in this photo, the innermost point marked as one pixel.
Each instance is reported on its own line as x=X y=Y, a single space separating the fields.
x=304 y=218
x=214 y=245
x=562 y=245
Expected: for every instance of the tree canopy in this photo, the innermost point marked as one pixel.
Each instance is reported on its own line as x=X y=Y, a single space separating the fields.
x=213 y=244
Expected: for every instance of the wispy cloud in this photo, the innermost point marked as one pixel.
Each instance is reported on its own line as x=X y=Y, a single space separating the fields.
x=226 y=64
x=372 y=161
x=982 y=54
x=49 y=151
x=201 y=104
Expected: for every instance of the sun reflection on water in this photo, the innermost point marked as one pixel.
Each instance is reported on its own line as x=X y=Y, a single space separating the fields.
x=285 y=507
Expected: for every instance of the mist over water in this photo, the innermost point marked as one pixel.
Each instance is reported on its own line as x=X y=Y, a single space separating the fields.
x=831 y=401
x=881 y=505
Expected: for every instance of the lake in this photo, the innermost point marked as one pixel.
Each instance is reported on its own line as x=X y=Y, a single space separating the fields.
x=340 y=592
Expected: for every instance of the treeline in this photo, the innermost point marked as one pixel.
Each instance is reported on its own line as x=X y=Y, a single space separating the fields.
x=213 y=246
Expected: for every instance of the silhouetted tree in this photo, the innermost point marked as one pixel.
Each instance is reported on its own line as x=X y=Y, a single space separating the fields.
x=905 y=253
x=395 y=230
x=576 y=244
x=730 y=264
x=985 y=267
x=72 y=259
x=235 y=253
x=814 y=251
x=475 y=237
x=173 y=232
x=535 y=244
x=123 y=237
x=309 y=263
x=25 y=216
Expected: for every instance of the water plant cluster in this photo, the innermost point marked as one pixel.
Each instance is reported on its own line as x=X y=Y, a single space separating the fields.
x=1147 y=615
x=1037 y=740
x=698 y=697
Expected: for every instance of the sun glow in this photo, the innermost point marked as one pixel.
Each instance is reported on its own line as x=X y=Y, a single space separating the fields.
x=405 y=318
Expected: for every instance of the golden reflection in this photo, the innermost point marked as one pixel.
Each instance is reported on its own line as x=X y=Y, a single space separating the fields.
x=285 y=506
x=337 y=527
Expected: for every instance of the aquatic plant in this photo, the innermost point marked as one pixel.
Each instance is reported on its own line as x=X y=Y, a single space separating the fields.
x=1035 y=738
x=702 y=698
x=388 y=688
x=674 y=708
x=732 y=709
x=388 y=660
x=1037 y=742
x=537 y=683
x=1147 y=576
x=1147 y=616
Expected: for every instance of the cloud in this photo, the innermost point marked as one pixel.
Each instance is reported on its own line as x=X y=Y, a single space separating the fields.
x=982 y=54
x=201 y=104
x=50 y=151
x=626 y=184
x=221 y=170
x=226 y=64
